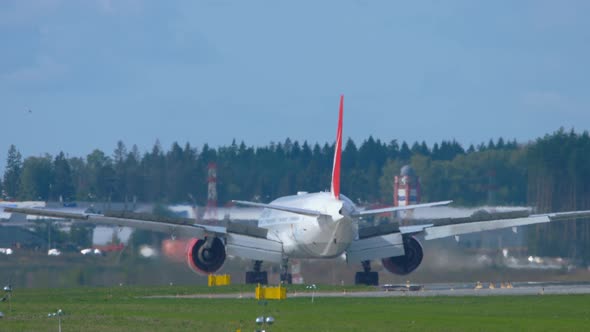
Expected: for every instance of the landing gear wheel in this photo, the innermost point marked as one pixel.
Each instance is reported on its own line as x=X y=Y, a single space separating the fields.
x=286 y=278
x=257 y=276
x=253 y=277
x=366 y=278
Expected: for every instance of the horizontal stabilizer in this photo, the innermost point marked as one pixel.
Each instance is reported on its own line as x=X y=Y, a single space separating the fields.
x=399 y=208
x=304 y=212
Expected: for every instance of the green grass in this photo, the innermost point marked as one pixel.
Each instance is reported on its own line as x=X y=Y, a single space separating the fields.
x=125 y=309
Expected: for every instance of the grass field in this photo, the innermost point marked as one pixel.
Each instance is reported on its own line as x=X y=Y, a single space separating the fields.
x=126 y=309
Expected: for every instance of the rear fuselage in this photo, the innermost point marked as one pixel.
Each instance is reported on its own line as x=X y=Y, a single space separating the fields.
x=325 y=236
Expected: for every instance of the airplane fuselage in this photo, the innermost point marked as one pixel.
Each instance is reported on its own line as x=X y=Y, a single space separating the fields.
x=325 y=236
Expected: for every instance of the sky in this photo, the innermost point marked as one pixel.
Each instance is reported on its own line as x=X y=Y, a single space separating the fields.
x=80 y=75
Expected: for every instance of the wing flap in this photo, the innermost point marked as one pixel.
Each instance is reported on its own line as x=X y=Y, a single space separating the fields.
x=168 y=228
x=375 y=247
x=254 y=248
x=437 y=232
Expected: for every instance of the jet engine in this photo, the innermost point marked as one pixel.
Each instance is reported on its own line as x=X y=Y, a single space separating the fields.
x=402 y=265
x=203 y=258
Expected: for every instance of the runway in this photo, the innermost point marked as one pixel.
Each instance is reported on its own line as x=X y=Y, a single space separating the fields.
x=462 y=289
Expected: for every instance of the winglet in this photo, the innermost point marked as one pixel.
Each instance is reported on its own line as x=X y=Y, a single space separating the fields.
x=337 y=154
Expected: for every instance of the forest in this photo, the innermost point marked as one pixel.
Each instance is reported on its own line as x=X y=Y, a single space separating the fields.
x=550 y=174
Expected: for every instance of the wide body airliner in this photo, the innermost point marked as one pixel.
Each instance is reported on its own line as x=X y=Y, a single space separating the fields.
x=311 y=226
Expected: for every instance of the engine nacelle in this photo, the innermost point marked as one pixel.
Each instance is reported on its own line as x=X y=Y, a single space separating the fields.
x=204 y=260
x=407 y=263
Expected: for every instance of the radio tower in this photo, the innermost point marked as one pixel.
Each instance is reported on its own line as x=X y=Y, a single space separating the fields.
x=211 y=210
x=406 y=191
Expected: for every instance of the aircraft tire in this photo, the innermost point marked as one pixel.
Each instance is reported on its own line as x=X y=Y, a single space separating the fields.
x=366 y=278
x=287 y=278
x=253 y=277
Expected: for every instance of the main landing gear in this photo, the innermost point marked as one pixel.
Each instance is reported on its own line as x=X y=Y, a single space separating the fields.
x=256 y=276
x=367 y=277
x=286 y=277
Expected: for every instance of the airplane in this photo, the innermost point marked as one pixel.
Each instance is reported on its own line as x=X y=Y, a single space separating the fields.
x=311 y=226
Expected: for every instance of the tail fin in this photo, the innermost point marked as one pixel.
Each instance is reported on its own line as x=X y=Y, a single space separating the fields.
x=337 y=154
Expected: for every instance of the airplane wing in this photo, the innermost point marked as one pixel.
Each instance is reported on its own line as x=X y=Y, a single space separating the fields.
x=437 y=232
x=176 y=229
x=399 y=208
x=241 y=240
x=387 y=240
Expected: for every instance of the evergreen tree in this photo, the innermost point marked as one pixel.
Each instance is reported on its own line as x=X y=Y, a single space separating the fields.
x=36 y=178
x=491 y=145
x=63 y=188
x=392 y=150
x=481 y=147
x=435 y=152
x=405 y=153
x=101 y=176
x=424 y=149
x=12 y=173
x=416 y=148
x=349 y=155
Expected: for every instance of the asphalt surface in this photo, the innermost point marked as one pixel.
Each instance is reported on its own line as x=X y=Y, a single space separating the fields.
x=466 y=289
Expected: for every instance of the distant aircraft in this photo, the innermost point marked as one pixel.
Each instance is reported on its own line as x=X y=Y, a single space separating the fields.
x=313 y=226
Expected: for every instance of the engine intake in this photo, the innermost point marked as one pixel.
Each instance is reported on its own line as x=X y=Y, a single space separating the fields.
x=402 y=265
x=205 y=260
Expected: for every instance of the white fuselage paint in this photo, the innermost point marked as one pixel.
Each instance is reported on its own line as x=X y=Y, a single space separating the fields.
x=303 y=236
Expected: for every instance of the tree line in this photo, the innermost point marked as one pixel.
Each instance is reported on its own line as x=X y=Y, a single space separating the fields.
x=551 y=173
x=243 y=172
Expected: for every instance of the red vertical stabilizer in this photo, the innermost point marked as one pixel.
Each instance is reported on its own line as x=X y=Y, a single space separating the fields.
x=337 y=154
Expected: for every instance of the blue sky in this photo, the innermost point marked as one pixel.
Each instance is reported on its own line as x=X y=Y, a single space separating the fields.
x=97 y=71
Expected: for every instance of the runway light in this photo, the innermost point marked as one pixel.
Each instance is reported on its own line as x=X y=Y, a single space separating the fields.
x=58 y=313
x=313 y=288
x=8 y=296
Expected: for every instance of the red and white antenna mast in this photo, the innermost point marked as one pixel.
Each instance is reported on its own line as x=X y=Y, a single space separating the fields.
x=211 y=210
